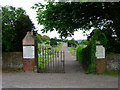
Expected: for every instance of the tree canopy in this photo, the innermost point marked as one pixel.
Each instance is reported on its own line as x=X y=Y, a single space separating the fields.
x=67 y=17
x=53 y=42
x=72 y=43
x=39 y=38
x=15 y=25
x=45 y=38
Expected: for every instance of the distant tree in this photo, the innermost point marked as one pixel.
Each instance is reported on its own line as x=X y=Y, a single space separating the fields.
x=45 y=38
x=53 y=42
x=15 y=25
x=76 y=42
x=73 y=40
x=47 y=42
x=71 y=43
x=39 y=38
x=55 y=38
x=65 y=40
x=85 y=42
x=58 y=43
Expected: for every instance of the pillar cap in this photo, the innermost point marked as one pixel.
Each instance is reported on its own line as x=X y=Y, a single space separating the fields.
x=29 y=39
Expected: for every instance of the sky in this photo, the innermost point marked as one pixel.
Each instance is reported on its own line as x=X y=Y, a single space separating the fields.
x=26 y=5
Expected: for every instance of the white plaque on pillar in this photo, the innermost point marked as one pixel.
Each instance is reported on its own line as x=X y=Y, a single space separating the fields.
x=100 y=52
x=28 y=52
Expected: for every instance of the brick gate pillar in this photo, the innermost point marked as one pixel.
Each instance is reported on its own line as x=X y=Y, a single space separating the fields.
x=100 y=61
x=29 y=52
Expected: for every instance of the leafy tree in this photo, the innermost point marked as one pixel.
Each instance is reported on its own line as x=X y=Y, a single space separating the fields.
x=45 y=38
x=100 y=36
x=15 y=24
x=47 y=42
x=55 y=38
x=58 y=43
x=59 y=40
x=65 y=40
x=71 y=43
x=22 y=25
x=111 y=44
x=85 y=42
x=67 y=17
x=39 y=38
x=53 y=42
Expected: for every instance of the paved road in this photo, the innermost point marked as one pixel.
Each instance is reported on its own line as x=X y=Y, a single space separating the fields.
x=74 y=77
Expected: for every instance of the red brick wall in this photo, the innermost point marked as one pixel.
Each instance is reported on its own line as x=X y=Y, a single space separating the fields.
x=28 y=65
x=100 y=65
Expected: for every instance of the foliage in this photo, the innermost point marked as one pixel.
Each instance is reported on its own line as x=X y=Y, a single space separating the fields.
x=111 y=73
x=73 y=51
x=59 y=47
x=100 y=36
x=111 y=44
x=58 y=43
x=15 y=25
x=76 y=42
x=89 y=58
x=71 y=43
x=85 y=42
x=47 y=42
x=67 y=17
x=60 y=40
x=20 y=70
x=79 y=54
x=53 y=42
x=65 y=40
x=39 y=38
x=45 y=38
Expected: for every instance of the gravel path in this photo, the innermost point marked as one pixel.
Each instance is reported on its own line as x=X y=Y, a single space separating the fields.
x=73 y=77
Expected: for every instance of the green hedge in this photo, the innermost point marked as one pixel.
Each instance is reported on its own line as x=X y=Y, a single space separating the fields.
x=86 y=57
x=89 y=57
x=72 y=50
x=79 y=54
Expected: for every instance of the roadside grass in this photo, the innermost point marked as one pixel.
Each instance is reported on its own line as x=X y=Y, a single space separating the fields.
x=111 y=73
x=59 y=47
x=73 y=52
x=13 y=69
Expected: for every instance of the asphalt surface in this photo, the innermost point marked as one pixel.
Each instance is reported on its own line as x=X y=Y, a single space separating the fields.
x=74 y=77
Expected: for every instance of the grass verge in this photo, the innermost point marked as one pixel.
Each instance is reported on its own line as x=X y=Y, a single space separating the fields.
x=73 y=52
x=111 y=73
